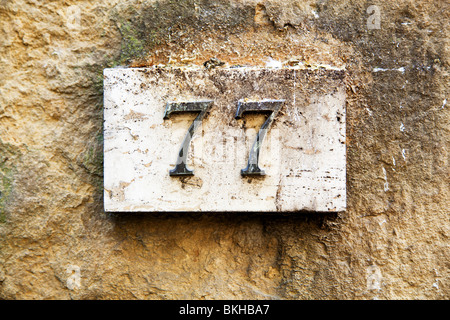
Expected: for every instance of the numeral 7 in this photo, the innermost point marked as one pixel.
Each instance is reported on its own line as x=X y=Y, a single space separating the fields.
x=197 y=106
x=272 y=106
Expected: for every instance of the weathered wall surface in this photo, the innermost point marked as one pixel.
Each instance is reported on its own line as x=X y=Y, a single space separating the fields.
x=57 y=242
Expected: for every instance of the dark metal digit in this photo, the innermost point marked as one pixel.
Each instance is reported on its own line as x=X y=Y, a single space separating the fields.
x=272 y=106
x=195 y=106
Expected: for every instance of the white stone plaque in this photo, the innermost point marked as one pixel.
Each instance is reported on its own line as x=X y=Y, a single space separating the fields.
x=224 y=139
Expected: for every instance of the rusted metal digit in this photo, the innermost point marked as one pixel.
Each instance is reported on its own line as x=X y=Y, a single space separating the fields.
x=265 y=106
x=194 y=106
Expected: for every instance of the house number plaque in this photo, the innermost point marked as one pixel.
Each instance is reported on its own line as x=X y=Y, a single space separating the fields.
x=226 y=139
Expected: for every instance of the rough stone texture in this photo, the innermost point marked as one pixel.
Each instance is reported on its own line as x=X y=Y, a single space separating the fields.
x=302 y=153
x=57 y=242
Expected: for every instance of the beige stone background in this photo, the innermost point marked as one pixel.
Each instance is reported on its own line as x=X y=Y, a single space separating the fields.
x=56 y=242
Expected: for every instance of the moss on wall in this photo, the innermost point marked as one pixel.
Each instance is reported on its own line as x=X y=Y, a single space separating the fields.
x=8 y=155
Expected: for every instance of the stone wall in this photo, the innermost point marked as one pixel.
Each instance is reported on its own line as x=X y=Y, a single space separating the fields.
x=58 y=243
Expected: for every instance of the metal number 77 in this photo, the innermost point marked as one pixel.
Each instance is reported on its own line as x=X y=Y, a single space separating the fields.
x=272 y=106
x=196 y=106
